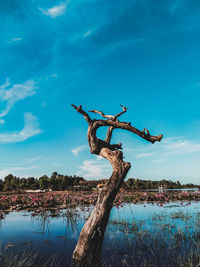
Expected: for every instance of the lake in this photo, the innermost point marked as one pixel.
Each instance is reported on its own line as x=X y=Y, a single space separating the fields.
x=137 y=234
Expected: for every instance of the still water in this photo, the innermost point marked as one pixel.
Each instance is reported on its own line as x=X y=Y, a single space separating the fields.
x=132 y=230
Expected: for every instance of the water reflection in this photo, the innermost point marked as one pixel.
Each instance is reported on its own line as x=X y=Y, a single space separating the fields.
x=136 y=233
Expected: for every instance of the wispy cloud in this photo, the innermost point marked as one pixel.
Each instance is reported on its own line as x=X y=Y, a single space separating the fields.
x=175 y=146
x=94 y=169
x=30 y=129
x=15 y=39
x=55 y=11
x=13 y=93
x=78 y=149
x=86 y=34
x=144 y=155
x=18 y=171
x=181 y=147
x=30 y=160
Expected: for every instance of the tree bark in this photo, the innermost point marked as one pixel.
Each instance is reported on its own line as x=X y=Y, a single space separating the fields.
x=88 y=248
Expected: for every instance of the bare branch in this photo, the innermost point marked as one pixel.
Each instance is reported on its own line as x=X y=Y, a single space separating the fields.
x=113 y=123
x=124 y=110
x=111 y=128
x=85 y=115
x=110 y=117
x=102 y=114
x=126 y=126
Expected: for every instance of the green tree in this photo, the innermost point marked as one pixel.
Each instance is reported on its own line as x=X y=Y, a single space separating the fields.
x=44 y=182
x=7 y=181
x=23 y=184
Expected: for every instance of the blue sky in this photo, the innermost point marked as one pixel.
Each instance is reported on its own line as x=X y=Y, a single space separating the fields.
x=143 y=54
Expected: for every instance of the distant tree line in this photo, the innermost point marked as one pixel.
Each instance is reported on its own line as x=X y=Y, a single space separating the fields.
x=59 y=182
x=139 y=184
x=55 y=182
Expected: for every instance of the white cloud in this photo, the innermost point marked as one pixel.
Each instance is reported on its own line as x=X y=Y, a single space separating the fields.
x=93 y=169
x=14 y=93
x=144 y=155
x=78 y=149
x=81 y=36
x=55 y=11
x=30 y=129
x=98 y=157
x=177 y=146
x=30 y=160
x=89 y=32
x=182 y=147
x=15 y=39
x=168 y=147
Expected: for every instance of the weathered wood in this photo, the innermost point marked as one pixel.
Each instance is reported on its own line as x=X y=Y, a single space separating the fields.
x=109 y=134
x=111 y=117
x=88 y=248
x=85 y=115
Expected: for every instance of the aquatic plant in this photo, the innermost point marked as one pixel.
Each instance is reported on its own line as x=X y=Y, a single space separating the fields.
x=63 y=199
x=159 y=242
x=25 y=258
x=17 y=259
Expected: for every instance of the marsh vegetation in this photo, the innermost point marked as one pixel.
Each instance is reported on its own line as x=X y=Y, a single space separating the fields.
x=142 y=234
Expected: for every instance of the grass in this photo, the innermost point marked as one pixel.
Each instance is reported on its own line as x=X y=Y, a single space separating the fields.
x=161 y=242
x=25 y=258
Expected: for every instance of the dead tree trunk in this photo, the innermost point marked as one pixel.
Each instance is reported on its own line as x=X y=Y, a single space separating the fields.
x=88 y=249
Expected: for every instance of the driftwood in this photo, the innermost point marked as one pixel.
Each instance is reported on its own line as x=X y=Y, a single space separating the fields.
x=88 y=249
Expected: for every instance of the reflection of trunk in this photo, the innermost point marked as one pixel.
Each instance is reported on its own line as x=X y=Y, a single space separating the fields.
x=88 y=249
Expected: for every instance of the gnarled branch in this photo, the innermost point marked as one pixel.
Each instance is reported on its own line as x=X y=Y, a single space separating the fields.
x=85 y=115
x=127 y=126
x=112 y=124
x=119 y=114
